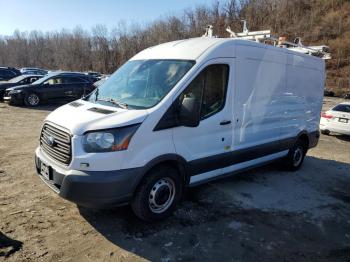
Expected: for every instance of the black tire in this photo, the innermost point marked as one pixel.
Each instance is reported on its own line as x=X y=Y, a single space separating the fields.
x=325 y=132
x=296 y=155
x=32 y=100
x=147 y=194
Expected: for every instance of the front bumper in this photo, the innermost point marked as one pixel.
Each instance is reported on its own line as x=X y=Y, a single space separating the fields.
x=335 y=129
x=2 y=92
x=92 y=189
x=14 y=98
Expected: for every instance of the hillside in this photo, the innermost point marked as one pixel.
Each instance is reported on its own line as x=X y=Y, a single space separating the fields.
x=316 y=21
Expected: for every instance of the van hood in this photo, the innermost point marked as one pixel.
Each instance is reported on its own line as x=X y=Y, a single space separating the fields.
x=81 y=116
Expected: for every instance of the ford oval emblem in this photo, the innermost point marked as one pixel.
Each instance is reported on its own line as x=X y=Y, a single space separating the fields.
x=50 y=141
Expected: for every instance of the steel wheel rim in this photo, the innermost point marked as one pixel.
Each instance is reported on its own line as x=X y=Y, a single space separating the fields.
x=162 y=195
x=33 y=99
x=297 y=156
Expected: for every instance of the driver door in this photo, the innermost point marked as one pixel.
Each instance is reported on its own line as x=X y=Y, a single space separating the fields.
x=53 y=88
x=206 y=145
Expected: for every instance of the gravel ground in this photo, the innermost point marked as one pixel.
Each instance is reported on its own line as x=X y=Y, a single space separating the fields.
x=261 y=215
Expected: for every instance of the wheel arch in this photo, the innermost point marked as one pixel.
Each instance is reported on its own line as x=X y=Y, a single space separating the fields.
x=305 y=137
x=174 y=160
x=26 y=93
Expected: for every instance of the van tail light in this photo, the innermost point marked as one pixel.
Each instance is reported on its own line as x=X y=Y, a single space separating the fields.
x=324 y=115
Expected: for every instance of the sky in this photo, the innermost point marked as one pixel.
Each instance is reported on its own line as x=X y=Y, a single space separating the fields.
x=52 y=15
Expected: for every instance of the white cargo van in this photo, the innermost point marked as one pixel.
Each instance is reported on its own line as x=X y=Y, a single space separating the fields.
x=180 y=114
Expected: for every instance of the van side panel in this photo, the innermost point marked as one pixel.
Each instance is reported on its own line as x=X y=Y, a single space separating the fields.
x=303 y=95
x=147 y=145
x=260 y=82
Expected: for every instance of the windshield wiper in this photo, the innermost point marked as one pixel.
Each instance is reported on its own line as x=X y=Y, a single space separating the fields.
x=114 y=102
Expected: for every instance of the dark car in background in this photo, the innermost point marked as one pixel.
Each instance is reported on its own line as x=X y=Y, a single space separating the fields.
x=7 y=73
x=328 y=93
x=56 y=86
x=17 y=81
x=33 y=71
x=94 y=75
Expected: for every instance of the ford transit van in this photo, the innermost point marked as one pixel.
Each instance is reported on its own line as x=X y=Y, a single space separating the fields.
x=180 y=114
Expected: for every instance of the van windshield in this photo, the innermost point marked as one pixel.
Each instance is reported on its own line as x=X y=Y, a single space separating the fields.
x=141 y=84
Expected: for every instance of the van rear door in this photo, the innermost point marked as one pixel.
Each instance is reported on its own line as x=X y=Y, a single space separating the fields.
x=205 y=146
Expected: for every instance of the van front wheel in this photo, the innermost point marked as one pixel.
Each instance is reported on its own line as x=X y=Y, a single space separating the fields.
x=158 y=194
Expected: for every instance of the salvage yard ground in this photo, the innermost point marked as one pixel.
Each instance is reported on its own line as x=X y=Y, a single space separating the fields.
x=261 y=215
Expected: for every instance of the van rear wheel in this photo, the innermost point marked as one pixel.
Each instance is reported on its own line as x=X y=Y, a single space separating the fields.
x=296 y=155
x=158 y=194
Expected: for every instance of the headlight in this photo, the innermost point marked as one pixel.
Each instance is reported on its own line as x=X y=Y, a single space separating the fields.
x=109 y=140
x=15 y=92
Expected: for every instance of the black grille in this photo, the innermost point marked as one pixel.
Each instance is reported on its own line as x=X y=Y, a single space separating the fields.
x=75 y=104
x=56 y=143
x=101 y=110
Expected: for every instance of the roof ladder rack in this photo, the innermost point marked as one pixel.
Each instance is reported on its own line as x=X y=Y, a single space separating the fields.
x=265 y=37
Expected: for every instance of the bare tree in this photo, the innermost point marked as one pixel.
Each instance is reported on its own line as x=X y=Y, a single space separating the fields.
x=317 y=21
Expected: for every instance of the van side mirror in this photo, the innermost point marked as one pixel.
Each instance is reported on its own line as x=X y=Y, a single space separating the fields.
x=189 y=112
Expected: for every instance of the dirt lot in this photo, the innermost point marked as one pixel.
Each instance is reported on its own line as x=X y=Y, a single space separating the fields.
x=261 y=215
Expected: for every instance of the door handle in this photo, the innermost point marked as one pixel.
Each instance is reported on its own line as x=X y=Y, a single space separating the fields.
x=225 y=122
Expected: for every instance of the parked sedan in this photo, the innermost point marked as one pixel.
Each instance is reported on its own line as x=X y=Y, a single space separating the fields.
x=19 y=80
x=336 y=120
x=56 y=86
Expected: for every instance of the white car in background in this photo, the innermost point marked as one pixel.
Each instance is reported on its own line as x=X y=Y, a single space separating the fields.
x=336 y=120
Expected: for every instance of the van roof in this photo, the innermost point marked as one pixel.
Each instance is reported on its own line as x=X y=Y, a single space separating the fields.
x=193 y=48
x=188 y=49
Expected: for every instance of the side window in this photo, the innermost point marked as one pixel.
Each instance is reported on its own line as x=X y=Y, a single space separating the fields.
x=27 y=80
x=72 y=80
x=209 y=87
x=32 y=79
x=54 y=81
x=195 y=88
